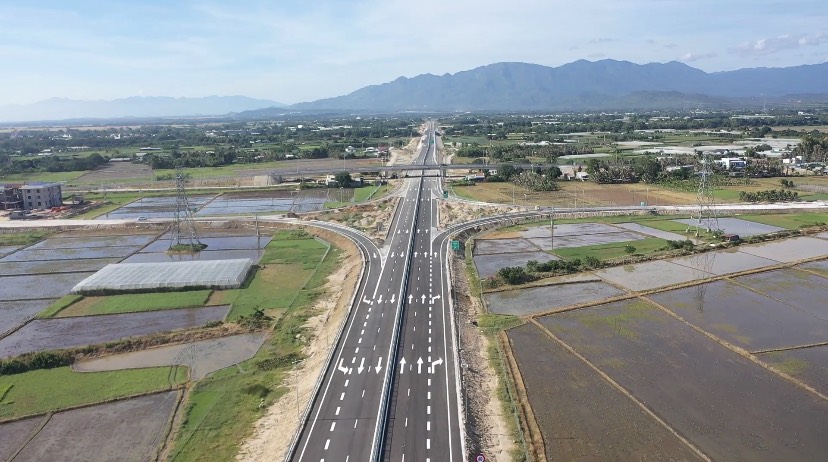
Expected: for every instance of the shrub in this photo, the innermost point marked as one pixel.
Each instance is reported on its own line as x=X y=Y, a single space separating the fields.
x=513 y=275
x=34 y=361
x=629 y=249
x=592 y=261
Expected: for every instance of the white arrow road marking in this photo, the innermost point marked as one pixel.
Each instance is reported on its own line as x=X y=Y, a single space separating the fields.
x=342 y=368
x=379 y=364
x=415 y=254
x=423 y=299
x=393 y=297
x=365 y=300
x=410 y=297
x=436 y=363
x=361 y=368
x=379 y=300
x=419 y=365
x=402 y=365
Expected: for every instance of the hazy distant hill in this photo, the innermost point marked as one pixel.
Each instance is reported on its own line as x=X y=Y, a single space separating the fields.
x=578 y=85
x=136 y=106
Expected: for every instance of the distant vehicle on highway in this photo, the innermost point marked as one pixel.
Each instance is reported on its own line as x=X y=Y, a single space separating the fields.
x=142 y=218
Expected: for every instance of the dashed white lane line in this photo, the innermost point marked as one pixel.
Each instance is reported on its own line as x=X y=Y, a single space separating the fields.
x=337 y=410
x=333 y=425
x=342 y=396
x=327 y=443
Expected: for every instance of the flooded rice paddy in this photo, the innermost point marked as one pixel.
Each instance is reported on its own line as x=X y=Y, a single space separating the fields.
x=15 y=314
x=580 y=414
x=204 y=255
x=126 y=430
x=789 y=250
x=639 y=228
x=234 y=204
x=5 y=250
x=540 y=299
x=724 y=404
x=55 y=266
x=72 y=253
x=802 y=290
x=734 y=226
x=744 y=317
x=202 y=357
x=155 y=207
x=807 y=364
x=215 y=243
x=58 y=333
x=93 y=241
x=651 y=274
x=39 y=286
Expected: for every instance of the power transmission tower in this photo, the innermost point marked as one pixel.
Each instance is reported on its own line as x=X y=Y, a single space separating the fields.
x=705 y=215
x=184 y=232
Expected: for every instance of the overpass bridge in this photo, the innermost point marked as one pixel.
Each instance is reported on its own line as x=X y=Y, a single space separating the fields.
x=443 y=169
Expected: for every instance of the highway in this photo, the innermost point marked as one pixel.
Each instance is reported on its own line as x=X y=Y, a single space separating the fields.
x=349 y=419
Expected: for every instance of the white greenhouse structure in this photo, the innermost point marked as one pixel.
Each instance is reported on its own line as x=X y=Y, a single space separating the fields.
x=144 y=277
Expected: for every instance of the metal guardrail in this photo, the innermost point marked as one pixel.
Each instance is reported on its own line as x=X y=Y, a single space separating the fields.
x=380 y=436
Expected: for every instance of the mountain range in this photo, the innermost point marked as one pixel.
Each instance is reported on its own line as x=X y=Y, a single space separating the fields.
x=132 y=107
x=581 y=85
x=578 y=86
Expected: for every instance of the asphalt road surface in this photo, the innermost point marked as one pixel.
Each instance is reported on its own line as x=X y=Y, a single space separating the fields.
x=390 y=389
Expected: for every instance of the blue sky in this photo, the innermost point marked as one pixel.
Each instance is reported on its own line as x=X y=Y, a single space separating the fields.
x=292 y=51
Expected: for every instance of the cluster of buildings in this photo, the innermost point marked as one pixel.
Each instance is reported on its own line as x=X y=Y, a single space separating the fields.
x=32 y=196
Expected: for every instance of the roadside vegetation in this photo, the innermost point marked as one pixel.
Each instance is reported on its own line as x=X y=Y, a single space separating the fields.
x=221 y=408
x=492 y=326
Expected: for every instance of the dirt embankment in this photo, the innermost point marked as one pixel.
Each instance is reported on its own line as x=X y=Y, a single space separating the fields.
x=406 y=155
x=273 y=432
x=486 y=426
x=455 y=212
x=373 y=219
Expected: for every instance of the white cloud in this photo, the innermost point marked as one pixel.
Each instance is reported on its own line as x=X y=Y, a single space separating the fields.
x=780 y=43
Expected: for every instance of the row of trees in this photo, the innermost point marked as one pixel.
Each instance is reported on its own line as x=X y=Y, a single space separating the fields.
x=52 y=164
x=770 y=195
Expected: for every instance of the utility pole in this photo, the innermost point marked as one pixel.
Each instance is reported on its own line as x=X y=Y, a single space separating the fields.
x=552 y=228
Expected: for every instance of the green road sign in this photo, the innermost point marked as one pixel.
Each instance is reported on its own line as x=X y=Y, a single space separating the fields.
x=445 y=194
x=455 y=245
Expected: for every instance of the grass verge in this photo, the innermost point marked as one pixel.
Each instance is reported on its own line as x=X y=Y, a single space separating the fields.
x=222 y=408
x=59 y=305
x=131 y=303
x=290 y=261
x=22 y=239
x=789 y=220
x=45 y=390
